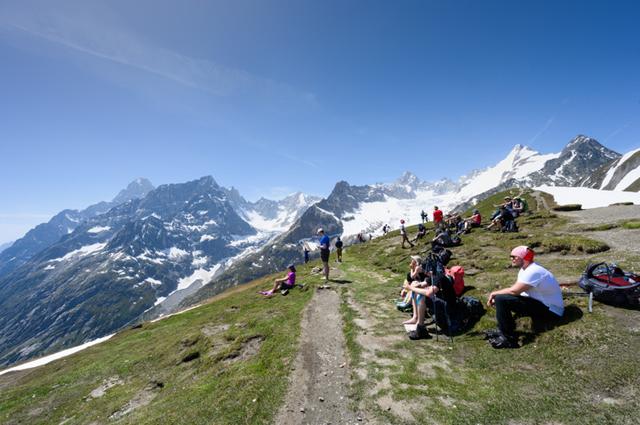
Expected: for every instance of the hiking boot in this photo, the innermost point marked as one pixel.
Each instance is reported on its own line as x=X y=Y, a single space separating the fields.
x=421 y=332
x=492 y=333
x=502 y=341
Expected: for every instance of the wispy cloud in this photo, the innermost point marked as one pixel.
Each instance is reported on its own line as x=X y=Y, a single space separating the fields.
x=544 y=128
x=616 y=132
x=89 y=35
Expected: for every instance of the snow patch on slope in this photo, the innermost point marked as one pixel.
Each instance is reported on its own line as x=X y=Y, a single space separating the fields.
x=588 y=197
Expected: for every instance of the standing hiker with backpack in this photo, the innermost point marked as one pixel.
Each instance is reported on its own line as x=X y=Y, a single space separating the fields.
x=338 y=243
x=536 y=294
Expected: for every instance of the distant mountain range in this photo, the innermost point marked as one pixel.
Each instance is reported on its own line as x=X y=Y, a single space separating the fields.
x=88 y=273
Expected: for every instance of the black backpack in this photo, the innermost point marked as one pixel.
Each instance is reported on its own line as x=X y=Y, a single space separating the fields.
x=611 y=285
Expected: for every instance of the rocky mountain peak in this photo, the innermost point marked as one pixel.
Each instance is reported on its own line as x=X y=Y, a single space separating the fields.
x=136 y=189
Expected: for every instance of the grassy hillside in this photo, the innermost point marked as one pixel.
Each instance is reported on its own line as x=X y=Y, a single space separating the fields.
x=228 y=362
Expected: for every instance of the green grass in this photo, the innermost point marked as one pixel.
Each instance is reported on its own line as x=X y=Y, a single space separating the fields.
x=214 y=387
x=631 y=224
x=582 y=372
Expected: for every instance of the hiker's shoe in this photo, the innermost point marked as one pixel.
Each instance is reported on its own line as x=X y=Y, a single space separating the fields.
x=492 y=333
x=502 y=341
x=421 y=332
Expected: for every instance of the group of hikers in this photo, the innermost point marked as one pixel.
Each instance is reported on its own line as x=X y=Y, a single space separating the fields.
x=432 y=290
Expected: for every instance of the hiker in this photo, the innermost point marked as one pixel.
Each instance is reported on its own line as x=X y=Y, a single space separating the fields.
x=286 y=283
x=442 y=238
x=338 y=244
x=474 y=221
x=517 y=207
x=424 y=216
x=504 y=219
x=305 y=251
x=422 y=231
x=403 y=233
x=324 y=253
x=437 y=217
x=415 y=277
x=536 y=293
x=436 y=297
x=385 y=229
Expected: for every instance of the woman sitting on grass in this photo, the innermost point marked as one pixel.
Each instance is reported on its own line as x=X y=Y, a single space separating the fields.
x=287 y=282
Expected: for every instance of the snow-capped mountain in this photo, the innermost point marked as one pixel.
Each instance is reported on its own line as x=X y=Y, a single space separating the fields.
x=145 y=254
x=63 y=223
x=620 y=174
x=579 y=159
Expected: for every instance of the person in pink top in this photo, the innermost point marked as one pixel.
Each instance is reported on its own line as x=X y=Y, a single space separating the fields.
x=287 y=282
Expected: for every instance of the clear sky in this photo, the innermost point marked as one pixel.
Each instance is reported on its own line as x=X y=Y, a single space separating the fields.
x=274 y=97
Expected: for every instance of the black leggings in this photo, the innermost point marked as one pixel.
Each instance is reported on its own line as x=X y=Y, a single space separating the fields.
x=522 y=306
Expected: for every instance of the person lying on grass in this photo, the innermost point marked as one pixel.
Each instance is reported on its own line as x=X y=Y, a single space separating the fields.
x=286 y=282
x=536 y=294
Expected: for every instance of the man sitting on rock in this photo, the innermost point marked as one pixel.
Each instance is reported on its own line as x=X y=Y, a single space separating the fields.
x=536 y=294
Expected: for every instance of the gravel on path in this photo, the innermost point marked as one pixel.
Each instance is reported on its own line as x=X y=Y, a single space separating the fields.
x=319 y=386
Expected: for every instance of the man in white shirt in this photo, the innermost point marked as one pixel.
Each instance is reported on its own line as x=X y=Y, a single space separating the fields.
x=536 y=293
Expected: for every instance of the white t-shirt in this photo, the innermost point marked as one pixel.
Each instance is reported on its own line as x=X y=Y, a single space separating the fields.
x=544 y=287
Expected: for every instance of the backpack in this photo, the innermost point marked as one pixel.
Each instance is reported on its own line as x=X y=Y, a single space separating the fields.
x=456 y=274
x=459 y=318
x=455 y=240
x=611 y=285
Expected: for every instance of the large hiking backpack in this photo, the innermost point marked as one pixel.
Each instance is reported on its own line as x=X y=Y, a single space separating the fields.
x=456 y=274
x=459 y=318
x=611 y=285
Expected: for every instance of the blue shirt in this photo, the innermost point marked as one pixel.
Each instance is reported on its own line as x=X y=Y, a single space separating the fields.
x=324 y=242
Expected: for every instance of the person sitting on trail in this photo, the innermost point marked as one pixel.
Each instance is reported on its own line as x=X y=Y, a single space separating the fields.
x=338 y=244
x=474 y=221
x=454 y=222
x=536 y=293
x=436 y=297
x=422 y=231
x=442 y=238
x=437 y=217
x=415 y=277
x=286 y=283
x=403 y=233
x=502 y=219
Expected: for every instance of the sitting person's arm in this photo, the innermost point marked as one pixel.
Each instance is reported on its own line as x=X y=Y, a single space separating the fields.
x=515 y=289
x=428 y=290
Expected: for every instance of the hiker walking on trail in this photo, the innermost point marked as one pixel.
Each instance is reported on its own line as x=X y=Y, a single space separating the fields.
x=324 y=253
x=536 y=293
x=338 y=245
x=403 y=233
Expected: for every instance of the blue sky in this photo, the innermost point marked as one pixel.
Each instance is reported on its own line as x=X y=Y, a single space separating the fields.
x=274 y=97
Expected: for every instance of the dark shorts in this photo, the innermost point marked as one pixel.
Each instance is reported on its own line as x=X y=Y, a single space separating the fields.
x=324 y=255
x=287 y=285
